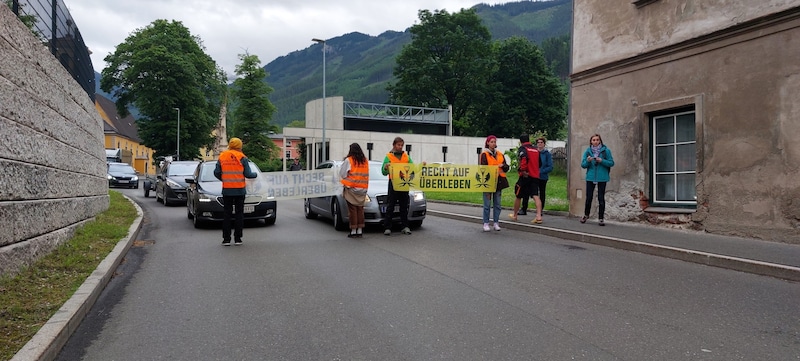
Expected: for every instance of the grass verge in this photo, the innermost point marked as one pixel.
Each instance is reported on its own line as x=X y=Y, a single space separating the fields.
x=29 y=298
x=556 y=194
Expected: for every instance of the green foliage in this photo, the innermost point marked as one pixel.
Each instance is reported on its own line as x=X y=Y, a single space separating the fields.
x=253 y=111
x=523 y=96
x=158 y=69
x=29 y=298
x=447 y=63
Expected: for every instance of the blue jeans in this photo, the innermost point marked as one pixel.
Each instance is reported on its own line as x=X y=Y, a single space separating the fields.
x=487 y=202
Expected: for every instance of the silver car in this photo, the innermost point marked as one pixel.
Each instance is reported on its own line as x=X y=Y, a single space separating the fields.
x=335 y=207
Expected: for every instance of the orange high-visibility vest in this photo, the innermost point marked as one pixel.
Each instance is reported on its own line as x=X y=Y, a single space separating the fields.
x=358 y=176
x=393 y=159
x=495 y=160
x=232 y=169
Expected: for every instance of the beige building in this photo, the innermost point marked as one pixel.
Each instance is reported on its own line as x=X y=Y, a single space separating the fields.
x=698 y=102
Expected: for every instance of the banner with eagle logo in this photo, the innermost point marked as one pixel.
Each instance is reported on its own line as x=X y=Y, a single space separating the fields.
x=443 y=177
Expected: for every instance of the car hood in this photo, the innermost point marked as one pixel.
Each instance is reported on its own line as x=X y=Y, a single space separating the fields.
x=180 y=179
x=122 y=174
x=214 y=188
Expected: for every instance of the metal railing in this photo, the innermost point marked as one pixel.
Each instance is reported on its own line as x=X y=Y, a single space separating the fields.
x=53 y=24
x=396 y=112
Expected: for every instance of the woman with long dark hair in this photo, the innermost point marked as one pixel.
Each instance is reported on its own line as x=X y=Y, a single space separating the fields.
x=354 y=175
x=597 y=161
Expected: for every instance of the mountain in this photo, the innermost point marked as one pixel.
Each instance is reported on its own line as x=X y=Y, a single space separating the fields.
x=359 y=67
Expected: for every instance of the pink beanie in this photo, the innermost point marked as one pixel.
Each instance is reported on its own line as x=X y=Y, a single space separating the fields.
x=489 y=138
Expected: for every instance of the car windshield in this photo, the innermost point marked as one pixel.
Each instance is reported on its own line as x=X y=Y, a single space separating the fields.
x=120 y=168
x=375 y=172
x=181 y=169
x=207 y=172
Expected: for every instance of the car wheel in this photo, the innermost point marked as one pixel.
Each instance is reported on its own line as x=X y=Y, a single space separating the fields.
x=307 y=208
x=196 y=222
x=338 y=222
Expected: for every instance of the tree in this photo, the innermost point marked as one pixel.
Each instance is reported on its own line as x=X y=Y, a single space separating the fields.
x=446 y=63
x=253 y=112
x=525 y=97
x=158 y=69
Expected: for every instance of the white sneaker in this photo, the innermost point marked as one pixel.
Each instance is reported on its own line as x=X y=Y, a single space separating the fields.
x=405 y=230
x=486 y=227
x=387 y=232
x=496 y=226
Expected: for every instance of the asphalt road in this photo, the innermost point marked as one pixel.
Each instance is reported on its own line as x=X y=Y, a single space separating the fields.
x=299 y=290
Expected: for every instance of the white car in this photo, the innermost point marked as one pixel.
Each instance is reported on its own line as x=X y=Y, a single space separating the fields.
x=335 y=207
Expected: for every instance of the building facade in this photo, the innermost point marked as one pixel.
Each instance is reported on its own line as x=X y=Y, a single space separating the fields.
x=697 y=101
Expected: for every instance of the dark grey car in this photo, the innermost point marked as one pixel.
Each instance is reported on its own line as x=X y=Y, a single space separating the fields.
x=204 y=198
x=171 y=181
x=122 y=175
x=335 y=207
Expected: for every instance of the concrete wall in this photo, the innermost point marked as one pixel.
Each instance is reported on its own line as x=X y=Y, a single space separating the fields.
x=743 y=81
x=606 y=31
x=52 y=162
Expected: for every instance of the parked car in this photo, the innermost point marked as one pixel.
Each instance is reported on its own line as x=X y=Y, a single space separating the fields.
x=122 y=175
x=171 y=181
x=204 y=198
x=335 y=207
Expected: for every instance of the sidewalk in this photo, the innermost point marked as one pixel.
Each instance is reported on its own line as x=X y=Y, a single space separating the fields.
x=767 y=258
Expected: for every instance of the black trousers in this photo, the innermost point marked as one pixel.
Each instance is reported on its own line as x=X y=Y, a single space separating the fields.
x=542 y=193
x=229 y=203
x=601 y=198
x=395 y=197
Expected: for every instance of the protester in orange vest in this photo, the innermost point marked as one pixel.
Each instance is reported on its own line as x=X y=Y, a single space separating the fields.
x=396 y=156
x=232 y=169
x=491 y=156
x=354 y=173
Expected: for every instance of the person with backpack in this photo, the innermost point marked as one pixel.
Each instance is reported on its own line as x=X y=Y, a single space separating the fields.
x=528 y=181
x=597 y=161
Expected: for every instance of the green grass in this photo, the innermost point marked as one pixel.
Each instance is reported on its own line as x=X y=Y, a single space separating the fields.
x=29 y=298
x=556 y=194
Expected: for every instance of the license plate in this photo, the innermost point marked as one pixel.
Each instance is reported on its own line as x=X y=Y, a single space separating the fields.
x=122 y=181
x=247 y=209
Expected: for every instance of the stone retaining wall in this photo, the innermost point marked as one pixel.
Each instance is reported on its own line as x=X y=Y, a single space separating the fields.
x=52 y=161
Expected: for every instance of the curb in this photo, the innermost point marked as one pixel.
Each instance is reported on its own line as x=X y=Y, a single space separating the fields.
x=710 y=259
x=54 y=334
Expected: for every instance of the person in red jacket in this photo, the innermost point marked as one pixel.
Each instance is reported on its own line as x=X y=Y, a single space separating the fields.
x=528 y=181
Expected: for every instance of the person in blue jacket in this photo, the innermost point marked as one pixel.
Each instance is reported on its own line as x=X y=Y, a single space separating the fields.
x=597 y=161
x=545 y=167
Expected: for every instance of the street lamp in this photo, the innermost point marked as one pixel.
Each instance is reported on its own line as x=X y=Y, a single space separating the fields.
x=324 y=157
x=178 y=155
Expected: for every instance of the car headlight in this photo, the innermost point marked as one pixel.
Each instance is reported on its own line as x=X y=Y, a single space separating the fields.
x=173 y=184
x=109 y=177
x=135 y=178
x=419 y=196
x=202 y=197
x=367 y=200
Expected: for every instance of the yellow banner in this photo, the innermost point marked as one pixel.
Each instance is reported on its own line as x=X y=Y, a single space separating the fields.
x=444 y=177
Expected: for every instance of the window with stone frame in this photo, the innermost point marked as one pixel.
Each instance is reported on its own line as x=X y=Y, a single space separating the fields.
x=674 y=159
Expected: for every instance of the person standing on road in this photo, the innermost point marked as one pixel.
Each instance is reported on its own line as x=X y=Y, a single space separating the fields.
x=296 y=165
x=396 y=156
x=354 y=174
x=545 y=167
x=491 y=156
x=232 y=168
x=597 y=161
x=528 y=182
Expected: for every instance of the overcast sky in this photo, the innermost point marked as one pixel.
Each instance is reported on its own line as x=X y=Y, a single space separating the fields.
x=266 y=28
